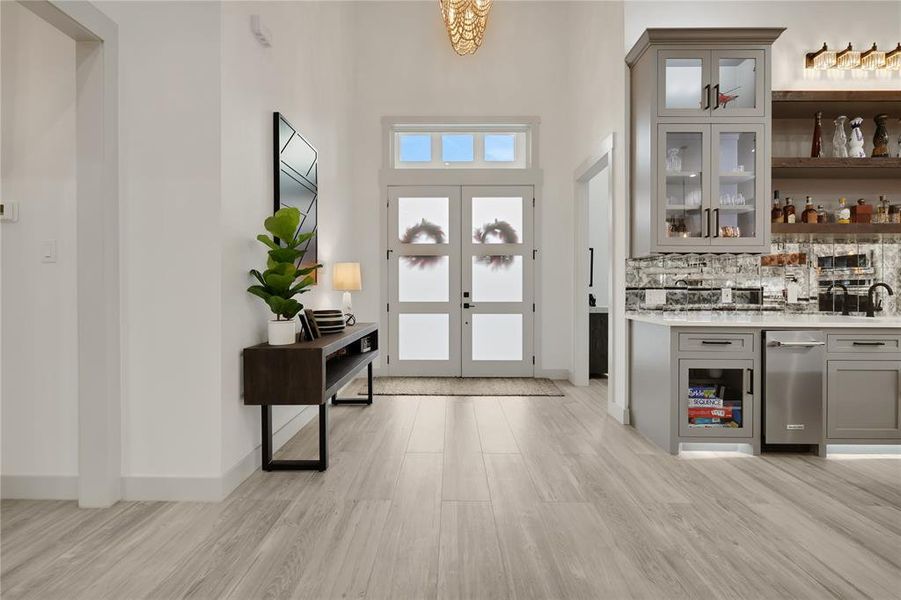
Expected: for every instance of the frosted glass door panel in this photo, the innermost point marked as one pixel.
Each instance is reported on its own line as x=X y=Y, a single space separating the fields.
x=423 y=220
x=496 y=337
x=684 y=177
x=684 y=83
x=497 y=278
x=497 y=220
x=423 y=336
x=423 y=279
x=423 y=304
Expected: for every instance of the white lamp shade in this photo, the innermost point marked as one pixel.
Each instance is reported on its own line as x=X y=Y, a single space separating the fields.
x=346 y=277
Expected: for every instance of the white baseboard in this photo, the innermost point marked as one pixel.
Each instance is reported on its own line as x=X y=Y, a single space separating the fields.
x=212 y=489
x=553 y=373
x=618 y=412
x=245 y=467
x=39 y=487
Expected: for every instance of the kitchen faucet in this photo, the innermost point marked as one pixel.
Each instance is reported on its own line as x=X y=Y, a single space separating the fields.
x=871 y=308
x=845 y=312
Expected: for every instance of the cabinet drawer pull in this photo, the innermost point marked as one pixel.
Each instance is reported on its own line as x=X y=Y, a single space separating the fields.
x=716 y=342
x=716 y=94
x=707 y=222
x=868 y=343
x=707 y=96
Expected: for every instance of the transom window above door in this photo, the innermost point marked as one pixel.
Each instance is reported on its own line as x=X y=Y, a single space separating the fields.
x=460 y=146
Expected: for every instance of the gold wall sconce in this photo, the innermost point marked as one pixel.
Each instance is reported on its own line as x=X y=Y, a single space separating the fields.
x=850 y=59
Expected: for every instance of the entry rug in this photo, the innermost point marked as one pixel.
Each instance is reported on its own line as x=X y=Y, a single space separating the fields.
x=460 y=386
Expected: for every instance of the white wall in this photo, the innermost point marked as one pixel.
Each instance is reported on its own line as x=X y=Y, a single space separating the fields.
x=169 y=91
x=405 y=67
x=599 y=235
x=808 y=25
x=306 y=75
x=39 y=337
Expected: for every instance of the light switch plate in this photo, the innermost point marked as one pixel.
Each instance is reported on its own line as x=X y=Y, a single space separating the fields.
x=654 y=297
x=9 y=212
x=726 y=296
x=48 y=251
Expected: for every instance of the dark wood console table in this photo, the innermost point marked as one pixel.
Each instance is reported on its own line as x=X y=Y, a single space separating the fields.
x=307 y=373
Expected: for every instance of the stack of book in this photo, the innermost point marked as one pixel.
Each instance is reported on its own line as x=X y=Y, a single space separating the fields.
x=706 y=407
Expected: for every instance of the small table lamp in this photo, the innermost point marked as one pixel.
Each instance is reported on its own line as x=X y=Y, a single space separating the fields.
x=346 y=278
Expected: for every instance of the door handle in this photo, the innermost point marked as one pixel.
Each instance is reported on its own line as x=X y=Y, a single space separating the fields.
x=716 y=92
x=750 y=382
x=707 y=96
x=716 y=222
x=707 y=222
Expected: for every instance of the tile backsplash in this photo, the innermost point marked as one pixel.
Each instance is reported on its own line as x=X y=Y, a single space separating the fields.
x=794 y=278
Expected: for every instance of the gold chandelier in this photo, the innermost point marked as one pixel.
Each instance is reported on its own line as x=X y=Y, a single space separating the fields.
x=465 y=21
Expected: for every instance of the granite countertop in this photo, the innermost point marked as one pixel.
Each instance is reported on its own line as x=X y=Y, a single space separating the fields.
x=773 y=320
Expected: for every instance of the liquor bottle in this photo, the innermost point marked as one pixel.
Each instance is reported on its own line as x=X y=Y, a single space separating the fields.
x=880 y=137
x=776 y=213
x=810 y=213
x=862 y=212
x=881 y=215
x=821 y=214
x=816 y=147
x=788 y=213
x=843 y=214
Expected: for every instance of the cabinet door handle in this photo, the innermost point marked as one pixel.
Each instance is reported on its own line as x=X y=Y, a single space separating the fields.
x=707 y=222
x=716 y=94
x=707 y=96
x=716 y=222
x=716 y=342
x=751 y=382
x=868 y=343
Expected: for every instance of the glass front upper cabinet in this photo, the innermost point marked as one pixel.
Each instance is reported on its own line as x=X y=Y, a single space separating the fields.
x=738 y=85
x=683 y=180
x=710 y=83
x=739 y=210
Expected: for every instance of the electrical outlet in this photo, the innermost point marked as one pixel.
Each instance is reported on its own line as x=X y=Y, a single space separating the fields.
x=654 y=297
x=726 y=296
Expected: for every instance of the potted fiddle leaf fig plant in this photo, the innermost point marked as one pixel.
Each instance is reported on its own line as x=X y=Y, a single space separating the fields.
x=283 y=278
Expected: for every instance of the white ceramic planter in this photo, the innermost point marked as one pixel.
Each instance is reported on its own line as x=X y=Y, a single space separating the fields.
x=282 y=333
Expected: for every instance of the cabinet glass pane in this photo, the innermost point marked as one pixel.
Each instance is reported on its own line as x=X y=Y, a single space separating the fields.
x=496 y=337
x=496 y=220
x=737 y=184
x=716 y=399
x=423 y=336
x=685 y=83
x=684 y=158
x=738 y=83
x=497 y=278
x=422 y=220
x=423 y=278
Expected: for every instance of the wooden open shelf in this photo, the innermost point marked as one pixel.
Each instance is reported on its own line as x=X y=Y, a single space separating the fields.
x=852 y=232
x=836 y=168
x=798 y=104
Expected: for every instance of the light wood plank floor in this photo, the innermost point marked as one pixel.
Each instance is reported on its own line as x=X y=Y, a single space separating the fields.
x=432 y=497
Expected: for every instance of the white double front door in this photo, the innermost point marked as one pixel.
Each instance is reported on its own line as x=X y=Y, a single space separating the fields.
x=461 y=281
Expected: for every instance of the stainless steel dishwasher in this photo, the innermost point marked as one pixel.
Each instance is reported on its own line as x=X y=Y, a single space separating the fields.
x=793 y=388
